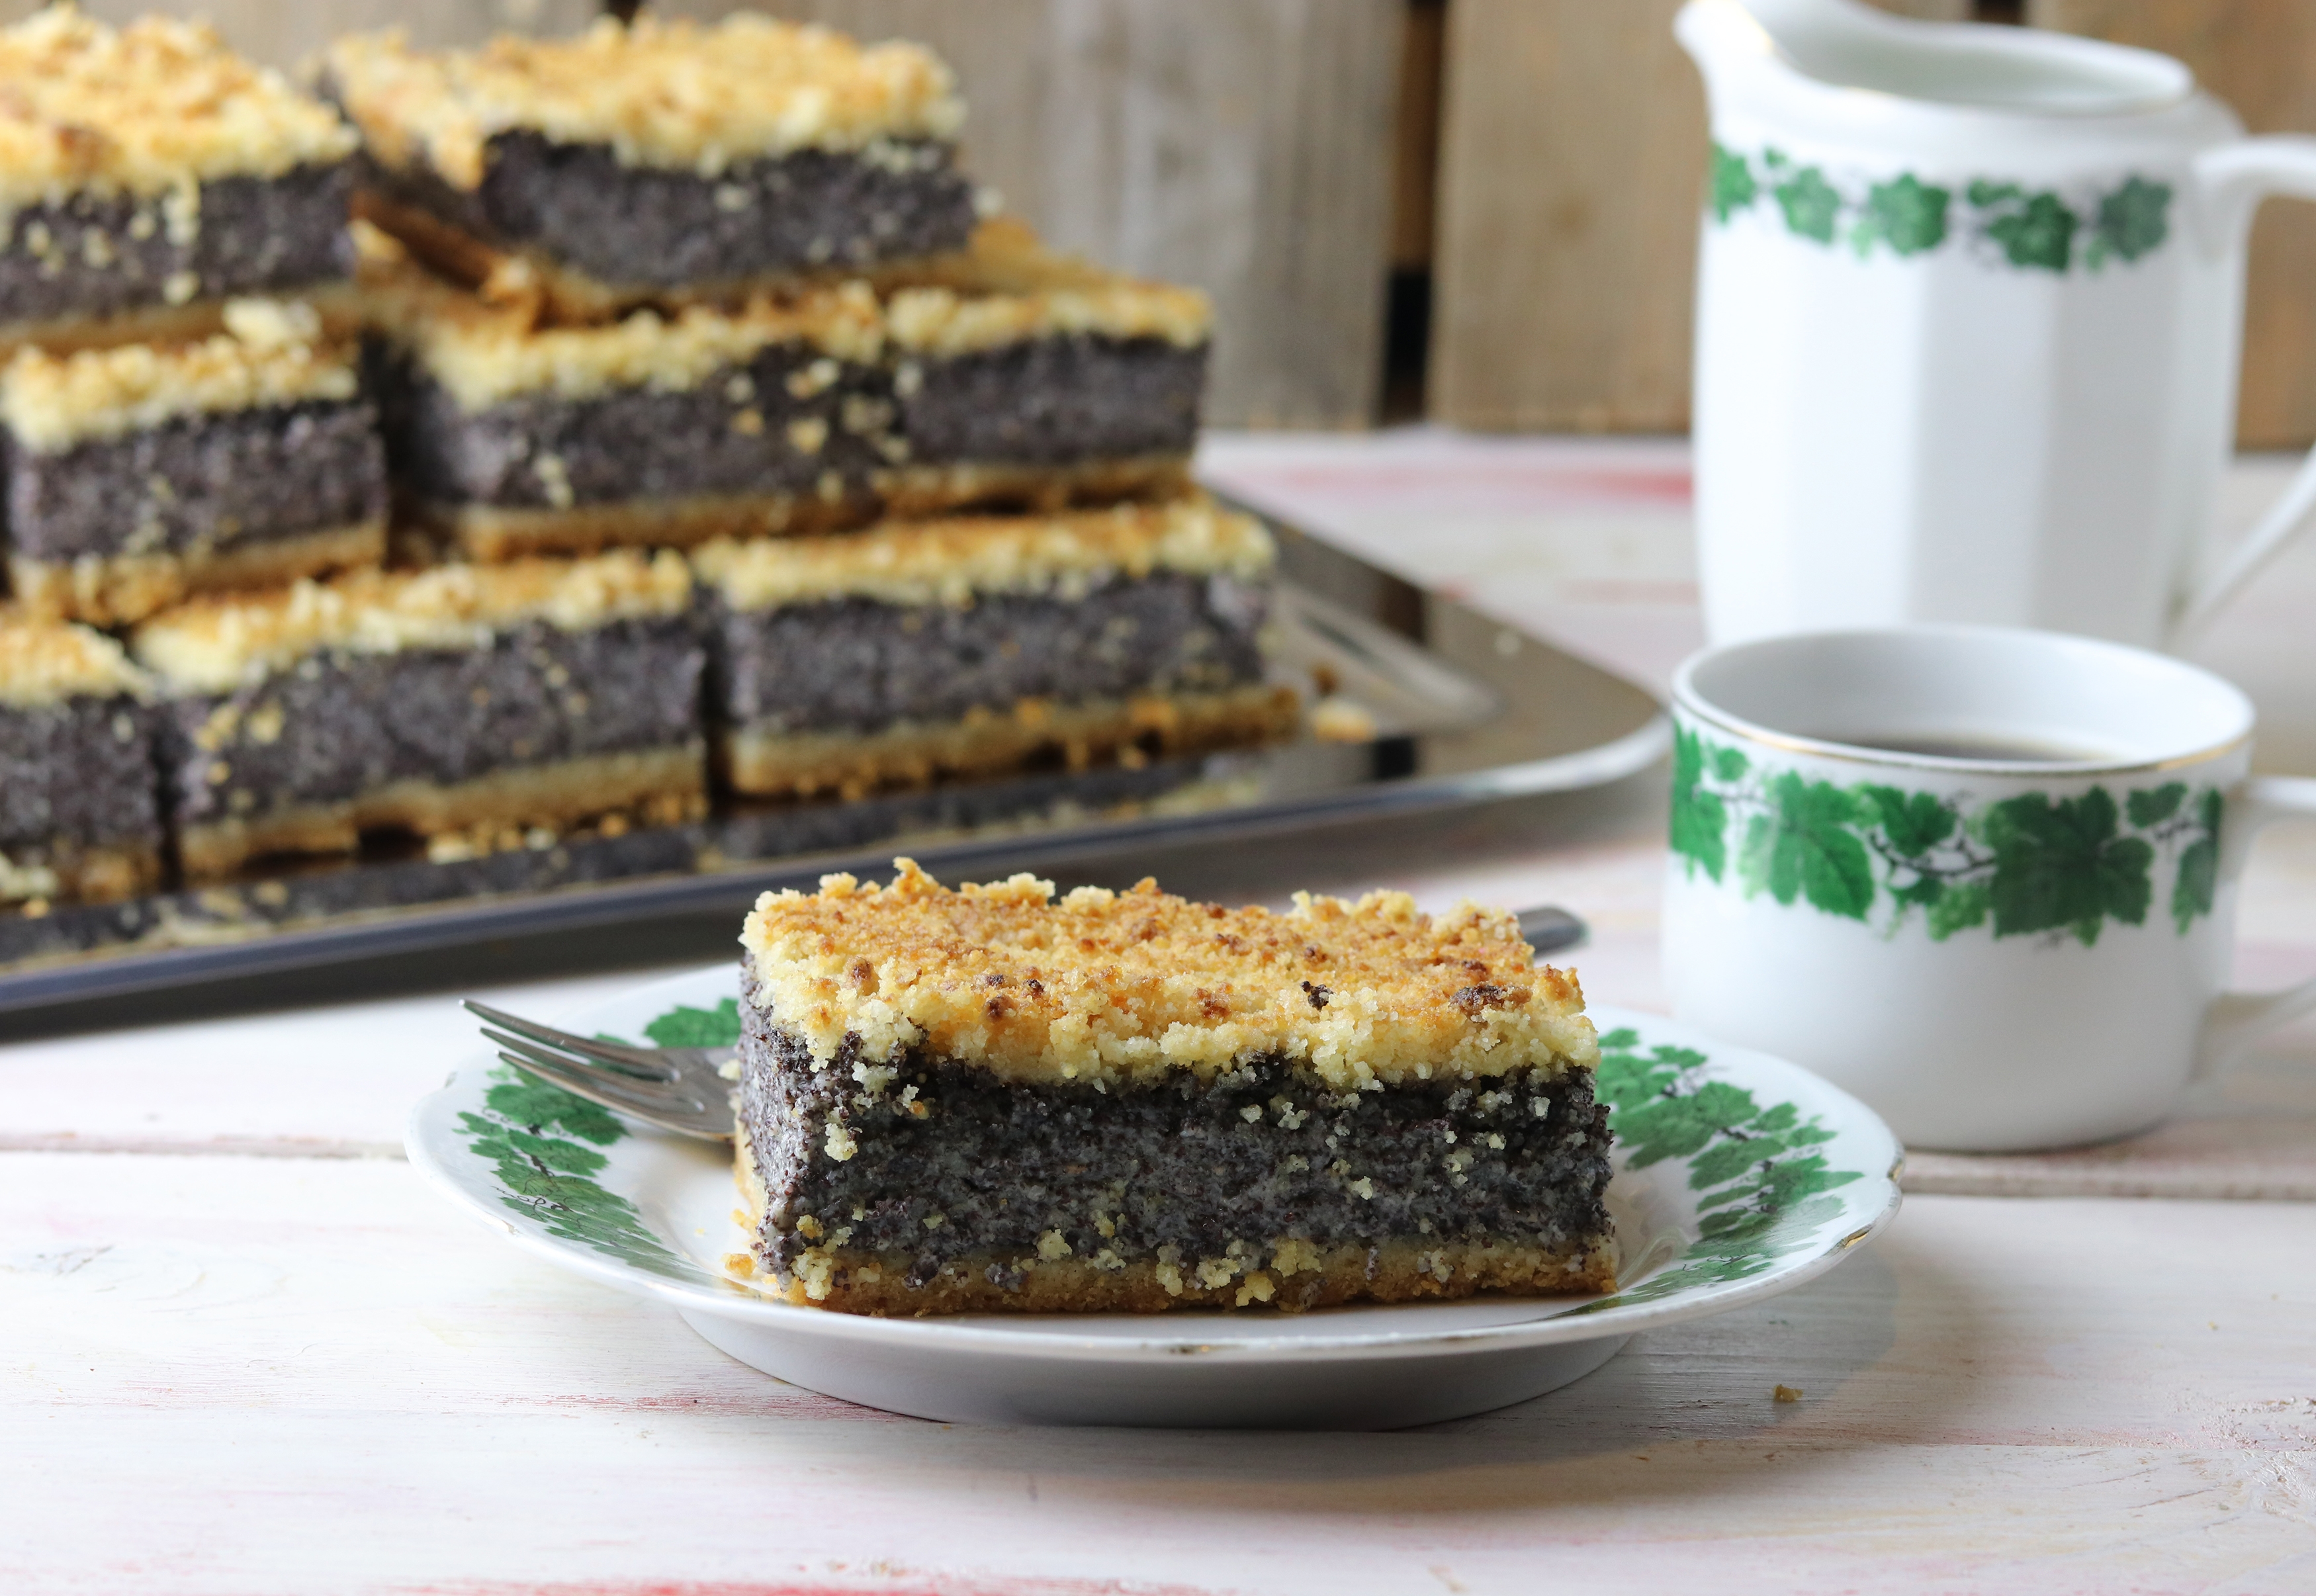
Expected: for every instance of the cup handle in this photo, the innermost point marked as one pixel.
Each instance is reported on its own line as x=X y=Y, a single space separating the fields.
x=2237 y=1019
x=2232 y=179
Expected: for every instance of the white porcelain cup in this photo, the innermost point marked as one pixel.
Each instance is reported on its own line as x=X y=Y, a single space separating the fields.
x=1984 y=878
x=1969 y=306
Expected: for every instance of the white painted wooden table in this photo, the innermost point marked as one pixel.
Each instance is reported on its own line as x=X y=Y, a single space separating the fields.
x=242 y=1350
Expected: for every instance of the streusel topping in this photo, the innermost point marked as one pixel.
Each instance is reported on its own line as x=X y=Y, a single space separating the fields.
x=48 y=664
x=483 y=354
x=949 y=561
x=668 y=94
x=213 y=644
x=155 y=109
x=1107 y=986
x=270 y=354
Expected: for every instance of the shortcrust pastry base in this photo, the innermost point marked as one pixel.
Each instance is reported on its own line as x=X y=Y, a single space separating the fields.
x=1004 y=258
x=98 y=875
x=492 y=532
x=782 y=764
x=337 y=303
x=110 y=590
x=667 y=784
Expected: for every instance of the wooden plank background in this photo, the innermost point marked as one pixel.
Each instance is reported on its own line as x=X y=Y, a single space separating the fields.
x=1572 y=146
x=2260 y=55
x=1244 y=146
x=1286 y=155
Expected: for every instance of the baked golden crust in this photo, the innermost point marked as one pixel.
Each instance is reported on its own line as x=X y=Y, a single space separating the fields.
x=1287 y=1274
x=668 y=94
x=112 y=589
x=780 y=764
x=154 y=108
x=336 y=303
x=272 y=352
x=78 y=874
x=664 y=786
x=494 y=532
x=852 y=1281
x=948 y=562
x=43 y=663
x=1005 y=288
x=1099 y=986
x=212 y=645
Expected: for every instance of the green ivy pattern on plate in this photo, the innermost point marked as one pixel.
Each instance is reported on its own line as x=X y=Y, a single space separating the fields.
x=2034 y=230
x=1761 y=1184
x=2022 y=866
x=545 y=1144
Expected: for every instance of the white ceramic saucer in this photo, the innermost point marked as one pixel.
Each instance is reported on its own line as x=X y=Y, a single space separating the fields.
x=1737 y=1176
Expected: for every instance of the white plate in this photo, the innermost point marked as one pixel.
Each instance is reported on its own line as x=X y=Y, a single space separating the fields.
x=1737 y=1176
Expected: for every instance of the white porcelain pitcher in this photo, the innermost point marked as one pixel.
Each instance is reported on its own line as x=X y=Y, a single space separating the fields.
x=1969 y=311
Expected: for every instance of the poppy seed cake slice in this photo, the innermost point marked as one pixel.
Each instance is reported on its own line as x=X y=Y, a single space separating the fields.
x=993 y=1099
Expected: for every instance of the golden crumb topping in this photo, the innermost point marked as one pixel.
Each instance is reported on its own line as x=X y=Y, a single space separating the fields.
x=156 y=108
x=483 y=354
x=1101 y=985
x=669 y=95
x=45 y=665
x=215 y=644
x=948 y=562
x=270 y=354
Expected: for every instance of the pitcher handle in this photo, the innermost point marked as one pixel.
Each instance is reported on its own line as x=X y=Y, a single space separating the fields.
x=2238 y=1019
x=2232 y=180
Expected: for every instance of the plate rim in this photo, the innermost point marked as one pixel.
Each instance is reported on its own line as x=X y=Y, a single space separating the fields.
x=978 y=1336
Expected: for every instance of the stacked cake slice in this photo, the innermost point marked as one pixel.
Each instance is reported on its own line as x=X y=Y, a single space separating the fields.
x=150 y=175
x=449 y=701
x=799 y=353
x=947 y=647
x=636 y=164
x=166 y=431
x=562 y=435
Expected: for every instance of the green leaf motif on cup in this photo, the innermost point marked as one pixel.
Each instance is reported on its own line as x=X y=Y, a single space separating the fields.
x=2156 y=805
x=1699 y=819
x=1760 y=1180
x=2064 y=865
x=2030 y=229
x=2197 y=882
x=1802 y=846
x=2033 y=864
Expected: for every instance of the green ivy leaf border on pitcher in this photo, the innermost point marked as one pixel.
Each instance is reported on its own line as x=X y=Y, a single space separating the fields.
x=2022 y=866
x=2034 y=230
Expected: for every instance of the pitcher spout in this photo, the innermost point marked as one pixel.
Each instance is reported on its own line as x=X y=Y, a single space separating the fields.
x=1845 y=45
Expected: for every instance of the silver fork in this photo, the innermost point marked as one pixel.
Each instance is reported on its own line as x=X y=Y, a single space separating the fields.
x=677 y=1089
x=684 y=1089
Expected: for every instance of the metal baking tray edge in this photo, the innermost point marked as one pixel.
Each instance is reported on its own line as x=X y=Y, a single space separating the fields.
x=1535 y=686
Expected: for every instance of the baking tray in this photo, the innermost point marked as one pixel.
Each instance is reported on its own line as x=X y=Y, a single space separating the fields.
x=1417 y=703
